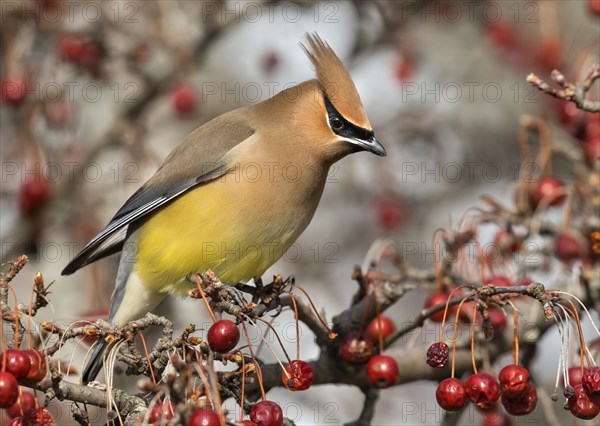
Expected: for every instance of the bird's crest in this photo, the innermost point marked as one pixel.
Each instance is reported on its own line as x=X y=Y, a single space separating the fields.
x=335 y=81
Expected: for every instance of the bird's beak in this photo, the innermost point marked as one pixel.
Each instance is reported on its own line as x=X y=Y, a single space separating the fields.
x=371 y=145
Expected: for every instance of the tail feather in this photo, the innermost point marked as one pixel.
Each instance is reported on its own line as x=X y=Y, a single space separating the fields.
x=94 y=365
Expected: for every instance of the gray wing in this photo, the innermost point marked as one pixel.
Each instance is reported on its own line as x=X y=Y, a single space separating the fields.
x=181 y=172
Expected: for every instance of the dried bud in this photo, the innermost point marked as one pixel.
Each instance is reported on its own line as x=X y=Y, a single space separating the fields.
x=38 y=280
x=250 y=369
x=236 y=357
x=196 y=394
x=569 y=392
x=50 y=327
x=146 y=385
x=194 y=341
x=488 y=329
x=91 y=331
x=69 y=369
x=12 y=316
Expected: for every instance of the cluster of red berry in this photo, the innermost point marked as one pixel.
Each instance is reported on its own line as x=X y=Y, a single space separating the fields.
x=583 y=391
x=357 y=348
x=26 y=367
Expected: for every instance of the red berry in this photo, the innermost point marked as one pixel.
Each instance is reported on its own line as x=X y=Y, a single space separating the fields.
x=523 y=282
x=9 y=389
x=551 y=53
x=404 y=68
x=184 y=99
x=266 y=413
x=575 y=376
x=567 y=247
x=34 y=194
x=501 y=33
x=521 y=404
x=17 y=363
x=389 y=212
x=451 y=394
x=498 y=281
x=24 y=404
x=38 y=366
x=549 y=189
x=514 y=380
x=223 y=336
x=591 y=148
x=355 y=349
x=497 y=320
x=13 y=91
x=162 y=410
x=592 y=128
x=381 y=325
x=584 y=405
x=17 y=421
x=70 y=47
x=382 y=371
x=270 y=61
x=437 y=354
x=297 y=376
x=568 y=113
x=483 y=390
x=91 y=55
x=591 y=380
x=204 y=417
x=140 y=52
x=439 y=299
x=594 y=6
x=507 y=242
x=40 y=417
x=495 y=418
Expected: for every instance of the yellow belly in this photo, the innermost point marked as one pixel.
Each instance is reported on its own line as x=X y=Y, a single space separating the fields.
x=218 y=226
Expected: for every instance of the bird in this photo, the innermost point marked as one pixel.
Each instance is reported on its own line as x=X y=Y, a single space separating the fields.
x=234 y=195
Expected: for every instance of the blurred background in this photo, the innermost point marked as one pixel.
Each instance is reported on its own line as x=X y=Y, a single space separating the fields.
x=95 y=94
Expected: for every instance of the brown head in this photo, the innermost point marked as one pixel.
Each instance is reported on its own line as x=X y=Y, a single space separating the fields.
x=325 y=115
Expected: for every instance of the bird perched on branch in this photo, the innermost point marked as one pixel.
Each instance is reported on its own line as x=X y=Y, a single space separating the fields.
x=234 y=195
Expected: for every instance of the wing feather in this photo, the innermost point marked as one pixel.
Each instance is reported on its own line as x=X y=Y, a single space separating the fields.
x=143 y=202
x=181 y=172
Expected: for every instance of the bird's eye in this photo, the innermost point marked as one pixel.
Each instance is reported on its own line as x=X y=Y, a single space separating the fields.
x=336 y=123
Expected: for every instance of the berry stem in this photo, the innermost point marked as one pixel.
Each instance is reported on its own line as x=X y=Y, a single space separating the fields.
x=332 y=335
x=482 y=258
x=446 y=309
x=545 y=155
x=2 y=341
x=439 y=284
x=210 y=311
x=526 y=159
x=568 y=212
x=147 y=357
x=297 y=328
x=207 y=385
x=277 y=336
x=473 y=338
x=583 y=354
x=380 y=336
x=258 y=370
x=455 y=331
x=515 y=335
x=12 y=290
x=243 y=385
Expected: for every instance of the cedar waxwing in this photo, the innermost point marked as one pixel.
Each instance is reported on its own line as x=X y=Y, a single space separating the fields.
x=234 y=195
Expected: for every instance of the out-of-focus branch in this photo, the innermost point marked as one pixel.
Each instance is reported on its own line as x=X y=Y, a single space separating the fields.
x=573 y=92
